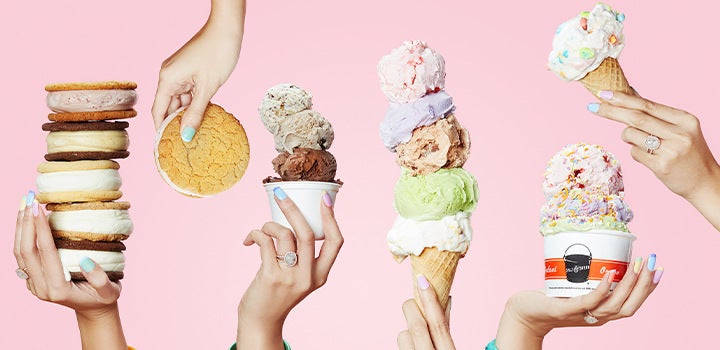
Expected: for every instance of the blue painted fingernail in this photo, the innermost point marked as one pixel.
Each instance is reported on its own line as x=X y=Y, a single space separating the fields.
x=605 y=94
x=87 y=264
x=422 y=282
x=593 y=107
x=651 y=262
x=30 y=198
x=279 y=193
x=187 y=134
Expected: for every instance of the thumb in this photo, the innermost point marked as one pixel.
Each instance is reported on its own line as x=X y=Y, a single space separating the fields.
x=98 y=279
x=193 y=116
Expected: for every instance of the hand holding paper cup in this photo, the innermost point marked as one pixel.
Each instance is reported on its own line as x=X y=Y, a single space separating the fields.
x=302 y=136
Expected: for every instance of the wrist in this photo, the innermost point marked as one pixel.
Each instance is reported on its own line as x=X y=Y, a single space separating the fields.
x=514 y=332
x=228 y=16
x=99 y=315
x=258 y=333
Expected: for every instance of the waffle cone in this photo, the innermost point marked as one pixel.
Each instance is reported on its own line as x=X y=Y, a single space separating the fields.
x=439 y=268
x=607 y=76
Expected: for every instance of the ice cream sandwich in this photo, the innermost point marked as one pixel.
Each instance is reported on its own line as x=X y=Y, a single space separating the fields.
x=80 y=181
x=93 y=221
x=108 y=255
x=86 y=141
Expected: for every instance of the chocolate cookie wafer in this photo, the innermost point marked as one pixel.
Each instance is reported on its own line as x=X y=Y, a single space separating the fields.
x=108 y=255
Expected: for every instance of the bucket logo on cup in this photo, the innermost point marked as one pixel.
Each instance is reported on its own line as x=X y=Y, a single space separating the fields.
x=577 y=259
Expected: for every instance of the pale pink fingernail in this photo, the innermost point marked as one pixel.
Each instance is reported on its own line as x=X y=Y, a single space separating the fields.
x=327 y=199
x=605 y=95
x=35 y=208
x=610 y=275
x=658 y=275
x=422 y=282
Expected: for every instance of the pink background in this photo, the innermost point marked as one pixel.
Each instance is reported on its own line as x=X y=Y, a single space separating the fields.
x=186 y=265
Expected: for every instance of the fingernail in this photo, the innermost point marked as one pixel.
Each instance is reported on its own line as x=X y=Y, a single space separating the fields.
x=638 y=264
x=87 y=264
x=29 y=198
x=187 y=134
x=658 y=275
x=605 y=95
x=593 y=107
x=35 y=208
x=651 y=262
x=422 y=282
x=23 y=203
x=279 y=193
x=610 y=275
x=327 y=199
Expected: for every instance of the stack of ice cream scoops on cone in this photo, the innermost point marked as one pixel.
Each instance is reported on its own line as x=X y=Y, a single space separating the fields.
x=434 y=196
x=80 y=182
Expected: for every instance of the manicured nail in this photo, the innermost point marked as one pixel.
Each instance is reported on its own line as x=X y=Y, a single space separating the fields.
x=29 y=198
x=658 y=275
x=651 y=262
x=187 y=134
x=35 y=208
x=422 y=282
x=610 y=275
x=605 y=95
x=593 y=107
x=279 y=193
x=23 y=203
x=327 y=199
x=638 y=264
x=87 y=264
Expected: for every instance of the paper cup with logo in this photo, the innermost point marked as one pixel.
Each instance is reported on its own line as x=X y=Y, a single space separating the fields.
x=575 y=262
x=307 y=195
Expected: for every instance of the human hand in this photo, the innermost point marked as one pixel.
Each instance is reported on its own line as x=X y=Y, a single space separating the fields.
x=192 y=75
x=431 y=331
x=94 y=300
x=683 y=161
x=278 y=286
x=530 y=315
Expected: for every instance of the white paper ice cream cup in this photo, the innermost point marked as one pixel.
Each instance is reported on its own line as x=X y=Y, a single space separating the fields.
x=575 y=262
x=307 y=195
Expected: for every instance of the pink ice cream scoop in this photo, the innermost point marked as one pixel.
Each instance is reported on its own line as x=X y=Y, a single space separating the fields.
x=411 y=71
x=583 y=166
x=71 y=101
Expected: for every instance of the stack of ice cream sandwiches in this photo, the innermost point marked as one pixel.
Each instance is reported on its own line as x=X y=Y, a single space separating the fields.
x=434 y=195
x=80 y=182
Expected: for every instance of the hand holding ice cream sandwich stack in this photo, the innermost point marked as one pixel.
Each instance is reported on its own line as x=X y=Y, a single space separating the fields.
x=434 y=195
x=302 y=137
x=80 y=182
x=586 y=48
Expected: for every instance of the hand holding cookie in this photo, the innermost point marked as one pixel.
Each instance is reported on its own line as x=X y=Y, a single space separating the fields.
x=290 y=271
x=192 y=75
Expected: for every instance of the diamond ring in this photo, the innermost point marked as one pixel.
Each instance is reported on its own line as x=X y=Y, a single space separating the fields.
x=589 y=318
x=22 y=273
x=652 y=143
x=290 y=259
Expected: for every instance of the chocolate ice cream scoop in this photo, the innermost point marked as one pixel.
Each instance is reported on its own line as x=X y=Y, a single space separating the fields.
x=305 y=164
x=443 y=144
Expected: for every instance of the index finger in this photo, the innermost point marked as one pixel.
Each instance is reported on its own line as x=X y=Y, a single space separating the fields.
x=160 y=106
x=657 y=110
x=51 y=263
x=303 y=231
x=588 y=301
x=18 y=232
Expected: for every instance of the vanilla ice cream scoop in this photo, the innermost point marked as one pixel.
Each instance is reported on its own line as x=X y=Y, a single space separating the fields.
x=281 y=101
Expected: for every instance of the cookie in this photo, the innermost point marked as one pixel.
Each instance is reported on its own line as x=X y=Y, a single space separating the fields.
x=83 y=181
x=93 y=221
x=212 y=162
x=91 y=141
x=108 y=255
x=92 y=85
x=91 y=116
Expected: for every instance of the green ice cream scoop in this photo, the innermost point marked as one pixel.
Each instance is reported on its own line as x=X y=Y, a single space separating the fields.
x=435 y=195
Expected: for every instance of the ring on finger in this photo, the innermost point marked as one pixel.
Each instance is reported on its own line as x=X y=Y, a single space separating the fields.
x=290 y=259
x=652 y=143
x=589 y=318
x=22 y=273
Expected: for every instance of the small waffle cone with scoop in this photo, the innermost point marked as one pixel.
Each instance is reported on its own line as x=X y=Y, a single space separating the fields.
x=439 y=268
x=607 y=76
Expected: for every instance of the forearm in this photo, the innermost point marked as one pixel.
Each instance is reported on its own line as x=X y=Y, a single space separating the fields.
x=228 y=15
x=101 y=329
x=251 y=334
x=706 y=199
x=514 y=335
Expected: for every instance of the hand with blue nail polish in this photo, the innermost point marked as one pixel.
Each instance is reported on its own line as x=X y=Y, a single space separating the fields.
x=289 y=272
x=193 y=74
x=681 y=159
x=530 y=315
x=431 y=326
x=94 y=301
